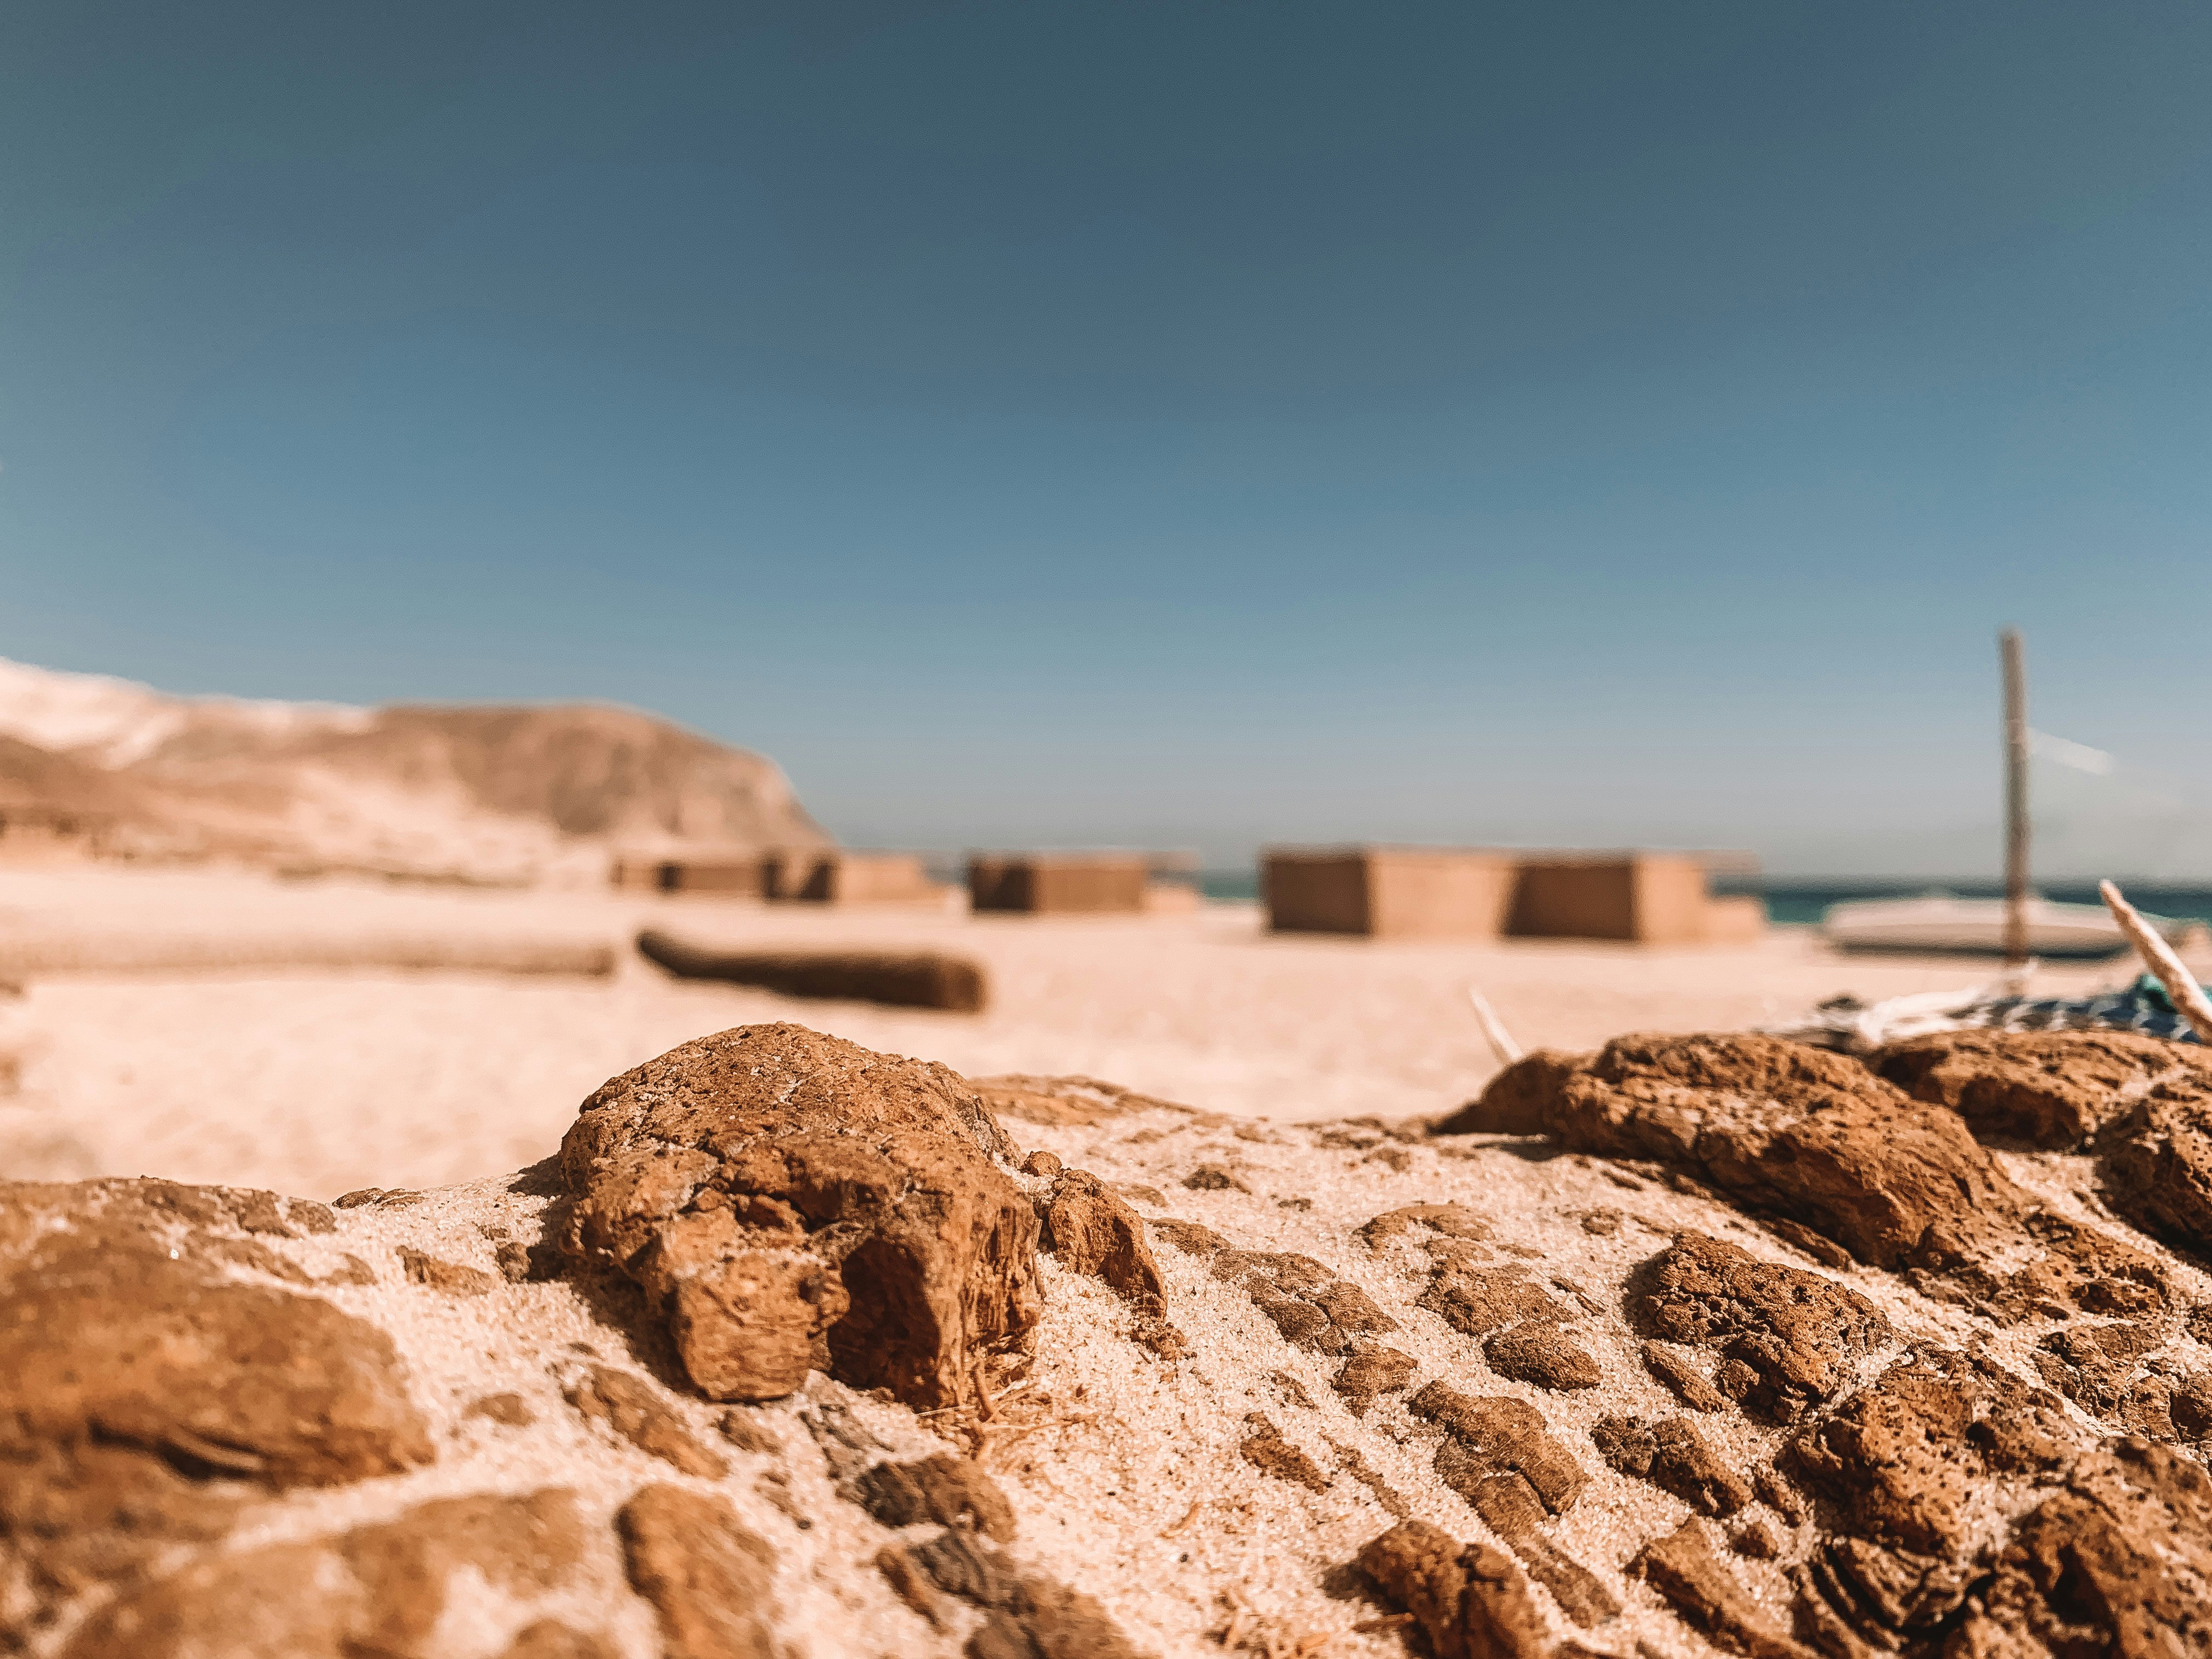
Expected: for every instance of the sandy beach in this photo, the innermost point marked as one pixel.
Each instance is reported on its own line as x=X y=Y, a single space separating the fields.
x=318 y=1080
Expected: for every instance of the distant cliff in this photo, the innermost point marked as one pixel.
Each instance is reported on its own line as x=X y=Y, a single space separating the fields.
x=494 y=793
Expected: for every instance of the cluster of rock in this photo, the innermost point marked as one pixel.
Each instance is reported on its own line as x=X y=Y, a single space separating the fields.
x=794 y=1350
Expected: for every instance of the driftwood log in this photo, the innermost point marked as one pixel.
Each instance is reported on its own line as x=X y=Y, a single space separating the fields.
x=902 y=979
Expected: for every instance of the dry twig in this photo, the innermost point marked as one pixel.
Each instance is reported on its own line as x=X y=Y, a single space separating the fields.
x=2181 y=986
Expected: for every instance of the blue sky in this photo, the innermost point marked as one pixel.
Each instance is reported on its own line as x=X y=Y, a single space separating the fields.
x=1196 y=424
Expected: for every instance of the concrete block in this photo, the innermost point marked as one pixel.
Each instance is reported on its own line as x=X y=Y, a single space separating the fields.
x=1387 y=892
x=1652 y=898
x=1058 y=884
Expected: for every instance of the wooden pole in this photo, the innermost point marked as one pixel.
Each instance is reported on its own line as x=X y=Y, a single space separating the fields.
x=2015 y=718
x=2181 y=987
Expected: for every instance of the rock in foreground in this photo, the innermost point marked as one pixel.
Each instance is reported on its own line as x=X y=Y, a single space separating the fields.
x=797 y=1350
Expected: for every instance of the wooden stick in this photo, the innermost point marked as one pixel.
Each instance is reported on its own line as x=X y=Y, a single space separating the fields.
x=2181 y=986
x=2016 y=828
x=1501 y=1040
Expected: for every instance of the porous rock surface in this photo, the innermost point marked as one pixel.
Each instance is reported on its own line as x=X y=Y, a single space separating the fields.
x=801 y=1350
x=788 y=1201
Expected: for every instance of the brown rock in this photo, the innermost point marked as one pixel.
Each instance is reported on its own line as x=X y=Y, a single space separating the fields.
x=549 y=1638
x=1686 y=1569
x=1092 y=1232
x=451 y=1277
x=1812 y=1135
x=951 y=1491
x=1266 y=1451
x=1469 y=1600
x=376 y=1589
x=1520 y=1100
x=1371 y=1369
x=1137 y=1193
x=1312 y=1309
x=1906 y=1459
x=2157 y=1167
x=629 y=1405
x=1480 y=1300
x=1755 y=1540
x=1451 y=1220
x=2054 y=1089
x=1542 y=1354
x=1787 y=1339
x=511 y=1409
x=1026 y=1615
x=1509 y=1506
x=1669 y=1367
x=143 y=1393
x=1214 y=1178
x=1189 y=1238
x=2119 y=1563
x=1674 y=1456
x=1496 y=1434
x=1814 y=1138
x=1040 y=1164
x=707 y=1577
x=786 y=1199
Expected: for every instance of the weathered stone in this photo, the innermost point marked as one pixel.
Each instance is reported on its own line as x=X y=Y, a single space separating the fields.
x=629 y=1405
x=1090 y=1230
x=1215 y=1178
x=1264 y=1448
x=1542 y=1354
x=1674 y=1456
x=2118 y=1563
x=1668 y=1367
x=2157 y=1165
x=1480 y=1300
x=1313 y=1308
x=450 y=1276
x=2054 y=1089
x=1906 y=1458
x=1813 y=1137
x=1451 y=1220
x=144 y=1394
x=786 y=1199
x=376 y=1589
x=1787 y=1339
x=1509 y=1506
x=1026 y=1615
x=1520 y=1100
x=1469 y=1600
x=951 y=1491
x=706 y=1576
x=1496 y=1435
x=1686 y=1569
x=1190 y=1236
x=510 y=1409
x=1371 y=1369
x=549 y=1638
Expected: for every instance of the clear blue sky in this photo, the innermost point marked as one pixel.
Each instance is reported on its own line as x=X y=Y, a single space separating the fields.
x=1192 y=424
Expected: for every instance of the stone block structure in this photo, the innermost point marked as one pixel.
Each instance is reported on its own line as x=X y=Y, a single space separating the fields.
x=839 y=878
x=1058 y=884
x=1388 y=892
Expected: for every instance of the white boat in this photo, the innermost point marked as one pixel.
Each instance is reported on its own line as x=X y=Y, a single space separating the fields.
x=1945 y=922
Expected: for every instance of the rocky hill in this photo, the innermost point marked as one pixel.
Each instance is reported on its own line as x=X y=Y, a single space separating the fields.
x=490 y=792
x=1693 y=1345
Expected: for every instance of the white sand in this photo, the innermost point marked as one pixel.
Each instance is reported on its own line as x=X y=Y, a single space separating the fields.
x=313 y=1082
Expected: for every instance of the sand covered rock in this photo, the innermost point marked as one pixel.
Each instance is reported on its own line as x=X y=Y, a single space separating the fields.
x=788 y=1201
x=1816 y=1140
x=1410 y=1397
x=2050 y=1089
